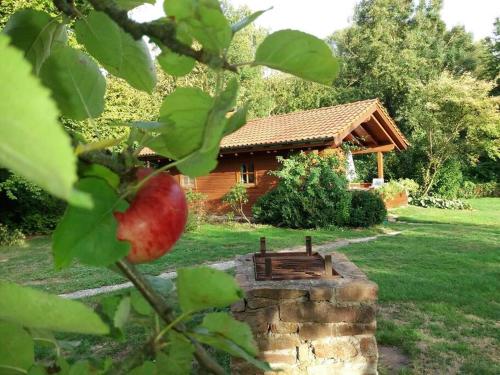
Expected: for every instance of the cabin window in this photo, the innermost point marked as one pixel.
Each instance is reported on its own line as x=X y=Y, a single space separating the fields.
x=188 y=182
x=247 y=173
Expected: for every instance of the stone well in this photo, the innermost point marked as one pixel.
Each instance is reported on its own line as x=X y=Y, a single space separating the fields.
x=313 y=327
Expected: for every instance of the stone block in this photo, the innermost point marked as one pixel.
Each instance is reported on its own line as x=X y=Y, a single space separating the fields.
x=238 y=306
x=305 y=354
x=277 y=341
x=278 y=357
x=257 y=302
x=340 y=369
x=357 y=291
x=284 y=327
x=341 y=350
x=276 y=293
x=259 y=320
x=368 y=347
x=322 y=294
x=349 y=329
x=325 y=312
x=314 y=331
x=241 y=367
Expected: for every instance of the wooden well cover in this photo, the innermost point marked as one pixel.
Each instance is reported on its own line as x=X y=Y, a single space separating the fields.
x=292 y=265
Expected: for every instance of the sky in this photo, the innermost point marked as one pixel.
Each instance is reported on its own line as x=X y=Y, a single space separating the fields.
x=322 y=17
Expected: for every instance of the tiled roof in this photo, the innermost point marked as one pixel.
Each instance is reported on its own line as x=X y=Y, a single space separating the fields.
x=315 y=124
x=312 y=125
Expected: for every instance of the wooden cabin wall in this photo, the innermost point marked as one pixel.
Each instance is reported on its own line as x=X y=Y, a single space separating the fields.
x=226 y=175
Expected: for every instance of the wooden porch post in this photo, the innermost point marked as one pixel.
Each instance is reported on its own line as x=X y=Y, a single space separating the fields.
x=380 y=164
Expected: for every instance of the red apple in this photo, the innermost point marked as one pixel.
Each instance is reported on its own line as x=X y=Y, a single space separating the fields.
x=155 y=219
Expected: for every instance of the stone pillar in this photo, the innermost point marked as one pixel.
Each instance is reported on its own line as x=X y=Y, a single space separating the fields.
x=311 y=327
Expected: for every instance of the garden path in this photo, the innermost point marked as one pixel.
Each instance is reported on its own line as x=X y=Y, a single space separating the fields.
x=226 y=265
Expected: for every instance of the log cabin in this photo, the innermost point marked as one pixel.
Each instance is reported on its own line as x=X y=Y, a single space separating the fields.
x=248 y=154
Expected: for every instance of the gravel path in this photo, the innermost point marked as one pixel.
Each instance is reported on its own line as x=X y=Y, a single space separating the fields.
x=226 y=265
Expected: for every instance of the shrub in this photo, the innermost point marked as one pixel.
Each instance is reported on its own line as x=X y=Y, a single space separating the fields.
x=367 y=209
x=197 y=212
x=467 y=190
x=236 y=198
x=448 y=181
x=438 y=202
x=488 y=189
x=392 y=188
x=25 y=206
x=11 y=237
x=311 y=192
x=470 y=189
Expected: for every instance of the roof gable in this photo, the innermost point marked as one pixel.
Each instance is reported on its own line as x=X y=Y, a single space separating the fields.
x=329 y=124
x=365 y=123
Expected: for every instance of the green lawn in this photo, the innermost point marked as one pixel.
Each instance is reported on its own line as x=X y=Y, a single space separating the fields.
x=439 y=281
x=440 y=287
x=32 y=265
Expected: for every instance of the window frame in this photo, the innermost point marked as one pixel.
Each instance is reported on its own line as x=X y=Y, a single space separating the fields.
x=248 y=173
x=190 y=186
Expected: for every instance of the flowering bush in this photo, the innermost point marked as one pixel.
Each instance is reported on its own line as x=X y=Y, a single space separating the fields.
x=437 y=202
x=11 y=237
x=392 y=188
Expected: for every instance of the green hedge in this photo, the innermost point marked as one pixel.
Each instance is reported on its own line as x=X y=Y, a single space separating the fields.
x=312 y=192
x=367 y=209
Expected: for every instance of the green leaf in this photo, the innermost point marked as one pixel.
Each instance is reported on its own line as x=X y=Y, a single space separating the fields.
x=35 y=33
x=219 y=342
x=244 y=22
x=300 y=54
x=35 y=309
x=116 y=50
x=204 y=287
x=184 y=114
x=179 y=357
x=100 y=171
x=76 y=83
x=237 y=120
x=80 y=368
x=101 y=144
x=37 y=370
x=17 y=349
x=164 y=287
x=122 y=313
x=204 y=21
x=174 y=64
x=204 y=159
x=131 y=4
x=147 y=368
x=140 y=304
x=90 y=234
x=225 y=325
x=198 y=164
x=44 y=337
x=194 y=126
x=145 y=125
x=33 y=144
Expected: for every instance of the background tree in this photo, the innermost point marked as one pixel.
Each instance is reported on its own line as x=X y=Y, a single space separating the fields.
x=452 y=120
x=490 y=68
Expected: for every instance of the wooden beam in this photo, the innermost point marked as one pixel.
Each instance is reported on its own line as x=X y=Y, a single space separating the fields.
x=377 y=127
x=379 y=115
x=380 y=164
x=370 y=150
x=362 y=134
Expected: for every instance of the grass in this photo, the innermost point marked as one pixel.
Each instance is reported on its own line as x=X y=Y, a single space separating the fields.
x=439 y=281
x=439 y=287
x=32 y=265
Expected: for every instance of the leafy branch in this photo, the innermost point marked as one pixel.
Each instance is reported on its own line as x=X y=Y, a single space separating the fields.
x=165 y=312
x=165 y=32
